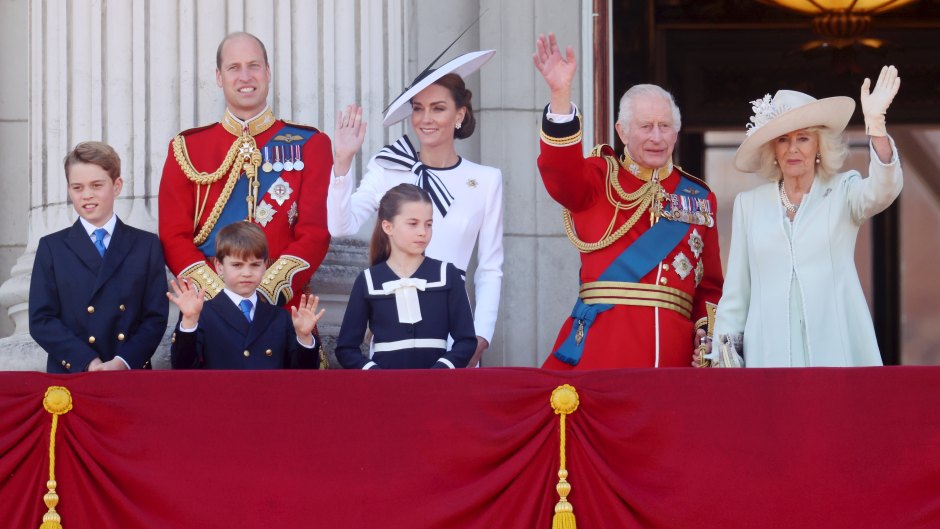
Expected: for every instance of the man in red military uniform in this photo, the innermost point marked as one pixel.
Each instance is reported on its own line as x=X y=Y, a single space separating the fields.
x=650 y=261
x=249 y=166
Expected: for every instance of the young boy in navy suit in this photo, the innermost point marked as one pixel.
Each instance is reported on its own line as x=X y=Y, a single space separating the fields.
x=236 y=330
x=97 y=294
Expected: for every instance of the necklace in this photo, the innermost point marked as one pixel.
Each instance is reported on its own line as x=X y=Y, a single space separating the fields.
x=790 y=206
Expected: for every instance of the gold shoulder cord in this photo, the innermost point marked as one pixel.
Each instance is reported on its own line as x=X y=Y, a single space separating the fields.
x=639 y=199
x=243 y=155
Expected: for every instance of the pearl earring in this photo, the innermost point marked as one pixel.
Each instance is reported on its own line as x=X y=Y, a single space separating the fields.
x=818 y=159
x=458 y=128
x=775 y=162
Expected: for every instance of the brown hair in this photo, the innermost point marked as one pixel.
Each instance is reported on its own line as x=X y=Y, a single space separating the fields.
x=237 y=34
x=462 y=99
x=241 y=239
x=95 y=153
x=390 y=206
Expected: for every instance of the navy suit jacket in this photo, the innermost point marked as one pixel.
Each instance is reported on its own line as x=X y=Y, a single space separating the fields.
x=83 y=306
x=224 y=339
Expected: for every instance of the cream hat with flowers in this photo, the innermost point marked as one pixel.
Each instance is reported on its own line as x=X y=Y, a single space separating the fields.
x=786 y=112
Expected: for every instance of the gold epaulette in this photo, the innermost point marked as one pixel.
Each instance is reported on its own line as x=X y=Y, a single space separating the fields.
x=278 y=278
x=693 y=177
x=602 y=149
x=300 y=126
x=205 y=278
x=565 y=141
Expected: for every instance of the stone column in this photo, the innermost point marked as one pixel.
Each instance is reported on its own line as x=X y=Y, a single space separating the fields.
x=135 y=73
x=540 y=274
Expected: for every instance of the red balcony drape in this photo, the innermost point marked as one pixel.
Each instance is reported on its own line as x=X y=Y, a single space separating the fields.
x=670 y=448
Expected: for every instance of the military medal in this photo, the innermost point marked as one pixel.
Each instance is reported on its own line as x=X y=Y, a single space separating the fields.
x=280 y=191
x=289 y=158
x=267 y=166
x=264 y=213
x=298 y=158
x=278 y=166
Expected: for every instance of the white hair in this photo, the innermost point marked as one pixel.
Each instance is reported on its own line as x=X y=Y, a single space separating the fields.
x=626 y=104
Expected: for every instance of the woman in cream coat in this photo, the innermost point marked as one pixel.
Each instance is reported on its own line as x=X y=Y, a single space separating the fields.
x=792 y=296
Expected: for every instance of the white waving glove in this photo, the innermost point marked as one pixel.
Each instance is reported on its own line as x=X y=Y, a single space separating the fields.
x=876 y=103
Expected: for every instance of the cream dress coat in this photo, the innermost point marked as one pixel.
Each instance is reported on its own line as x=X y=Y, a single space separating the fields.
x=763 y=259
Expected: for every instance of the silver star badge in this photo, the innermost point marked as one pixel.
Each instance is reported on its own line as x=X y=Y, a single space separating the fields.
x=264 y=213
x=280 y=191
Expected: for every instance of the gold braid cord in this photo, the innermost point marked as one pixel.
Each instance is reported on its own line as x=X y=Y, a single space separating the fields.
x=57 y=401
x=564 y=401
x=278 y=277
x=243 y=155
x=641 y=199
x=205 y=279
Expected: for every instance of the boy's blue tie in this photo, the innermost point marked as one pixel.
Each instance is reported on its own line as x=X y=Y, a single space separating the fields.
x=245 y=305
x=99 y=240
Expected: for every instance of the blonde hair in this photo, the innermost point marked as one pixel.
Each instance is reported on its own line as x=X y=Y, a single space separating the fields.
x=833 y=149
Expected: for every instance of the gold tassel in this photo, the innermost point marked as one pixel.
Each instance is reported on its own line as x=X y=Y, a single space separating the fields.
x=58 y=401
x=564 y=401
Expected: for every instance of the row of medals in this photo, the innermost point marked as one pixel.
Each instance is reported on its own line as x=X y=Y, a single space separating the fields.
x=290 y=161
x=683 y=209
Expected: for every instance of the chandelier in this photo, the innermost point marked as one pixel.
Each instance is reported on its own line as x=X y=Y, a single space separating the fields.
x=841 y=23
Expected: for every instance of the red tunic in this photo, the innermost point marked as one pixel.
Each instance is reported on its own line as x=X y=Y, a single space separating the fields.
x=626 y=336
x=300 y=233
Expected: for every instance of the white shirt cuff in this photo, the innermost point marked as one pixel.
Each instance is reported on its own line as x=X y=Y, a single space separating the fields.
x=561 y=118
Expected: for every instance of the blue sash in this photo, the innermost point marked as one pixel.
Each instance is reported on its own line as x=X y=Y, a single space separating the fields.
x=236 y=208
x=630 y=266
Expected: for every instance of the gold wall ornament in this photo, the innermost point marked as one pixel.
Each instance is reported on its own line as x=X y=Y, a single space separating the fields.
x=564 y=401
x=57 y=401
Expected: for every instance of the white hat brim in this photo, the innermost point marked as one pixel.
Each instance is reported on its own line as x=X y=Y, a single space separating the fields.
x=463 y=66
x=832 y=112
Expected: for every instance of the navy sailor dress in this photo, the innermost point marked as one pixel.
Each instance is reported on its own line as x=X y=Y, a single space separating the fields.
x=410 y=319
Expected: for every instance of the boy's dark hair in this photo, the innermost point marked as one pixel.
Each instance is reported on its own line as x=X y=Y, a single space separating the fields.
x=95 y=153
x=241 y=239
x=390 y=205
x=238 y=34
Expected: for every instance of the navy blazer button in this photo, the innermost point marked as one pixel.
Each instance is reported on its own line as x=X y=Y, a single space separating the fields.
x=246 y=353
x=91 y=339
x=91 y=310
x=268 y=352
x=122 y=308
x=121 y=337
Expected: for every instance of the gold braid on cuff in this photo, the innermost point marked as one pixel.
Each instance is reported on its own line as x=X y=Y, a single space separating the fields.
x=205 y=278
x=565 y=141
x=278 y=278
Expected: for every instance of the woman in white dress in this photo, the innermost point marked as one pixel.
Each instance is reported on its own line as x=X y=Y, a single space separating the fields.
x=468 y=197
x=792 y=295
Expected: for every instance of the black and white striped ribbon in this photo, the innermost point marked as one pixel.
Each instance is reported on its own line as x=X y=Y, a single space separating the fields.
x=401 y=155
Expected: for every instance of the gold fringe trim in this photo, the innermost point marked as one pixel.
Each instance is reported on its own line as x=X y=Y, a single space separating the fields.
x=57 y=401
x=708 y=324
x=564 y=401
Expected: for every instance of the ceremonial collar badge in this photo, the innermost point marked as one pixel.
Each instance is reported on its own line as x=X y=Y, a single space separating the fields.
x=255 y=125
x=644 y=173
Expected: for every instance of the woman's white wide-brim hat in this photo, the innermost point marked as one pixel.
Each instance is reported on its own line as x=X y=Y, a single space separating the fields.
x=463 y=66
x=786 y=112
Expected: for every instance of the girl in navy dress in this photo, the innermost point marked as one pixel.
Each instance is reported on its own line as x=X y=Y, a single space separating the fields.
x=410 y=302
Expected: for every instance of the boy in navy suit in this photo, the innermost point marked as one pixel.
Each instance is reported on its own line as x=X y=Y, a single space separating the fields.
x=236 y=330
x=96 y=297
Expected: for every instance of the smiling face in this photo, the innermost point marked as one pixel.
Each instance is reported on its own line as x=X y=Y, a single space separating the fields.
x=241 y=274
x=434 y=116
x=651 y=135
x=93 y=192
x=796 y=153
x=409 y=232
x=244 y=76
